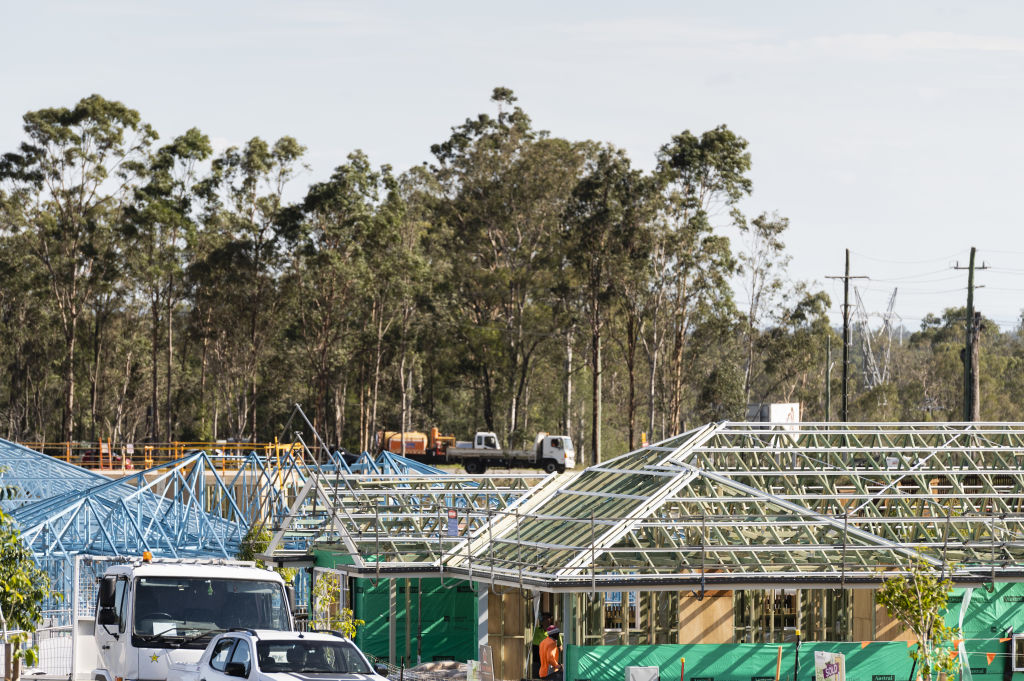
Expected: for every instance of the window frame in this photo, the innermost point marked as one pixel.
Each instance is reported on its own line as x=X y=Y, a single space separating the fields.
x=1017 y=653
x=231 y=641
x=241 y=644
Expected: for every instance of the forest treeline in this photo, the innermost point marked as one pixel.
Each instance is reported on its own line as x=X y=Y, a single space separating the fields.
x=152 y=290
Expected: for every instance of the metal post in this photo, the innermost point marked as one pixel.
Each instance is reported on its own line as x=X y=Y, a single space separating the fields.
x=593 y=560
x=846 y=340
x=969 y=368
x=828 y=376
x=392 y=623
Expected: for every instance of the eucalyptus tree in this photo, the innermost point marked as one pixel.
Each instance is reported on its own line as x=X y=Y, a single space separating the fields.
x=505 y=186
x=65 y=188
x=239 y=260
x=785 y=323
x=29 y=341
x=412 y=286
x=332 y=275
x=763 y=264
x=703 y=177
x=608 y=222
x=160 y=221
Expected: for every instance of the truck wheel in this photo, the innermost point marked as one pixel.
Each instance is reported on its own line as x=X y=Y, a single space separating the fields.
x=550 y=466
x=475 y=467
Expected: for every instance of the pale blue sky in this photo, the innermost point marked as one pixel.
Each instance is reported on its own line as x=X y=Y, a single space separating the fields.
x=890 y=128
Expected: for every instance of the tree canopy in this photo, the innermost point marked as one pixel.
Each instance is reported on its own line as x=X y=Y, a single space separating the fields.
x=516 y=281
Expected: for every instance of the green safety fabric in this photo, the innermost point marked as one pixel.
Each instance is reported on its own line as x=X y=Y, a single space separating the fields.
x=444 y=613
x=990 y=616
x=882 y=661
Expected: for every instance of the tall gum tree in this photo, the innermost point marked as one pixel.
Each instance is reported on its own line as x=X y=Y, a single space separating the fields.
x=244 y=215
x=159 y=221
x=607 y=230
x=785 y=322
x=327 y=265
x=505 y=186
x=702 y=177
x=70 y=178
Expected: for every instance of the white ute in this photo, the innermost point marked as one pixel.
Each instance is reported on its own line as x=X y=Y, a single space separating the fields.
x=259 y=655
x=151 y=616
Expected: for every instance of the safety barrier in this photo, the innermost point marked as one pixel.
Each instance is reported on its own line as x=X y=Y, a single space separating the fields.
x=109 y=456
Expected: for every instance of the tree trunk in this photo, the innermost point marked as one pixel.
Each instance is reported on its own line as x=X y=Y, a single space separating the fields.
x=376 y=370
x=363 y=420
x=12 y=665
x=485 y=375
x=95 y=374
x=252 y=406
x=595 y=435
x=339 y=410
x=154 y=405
x=67 y=427
x=677 y=383
x=632 y=332
x=651 y=394
x=202 y=386
x=119 y=414
x=567 y=394
x=404 y=398
x=170 y=360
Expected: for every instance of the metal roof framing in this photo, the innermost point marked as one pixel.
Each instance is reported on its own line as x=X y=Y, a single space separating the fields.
x=729 y=505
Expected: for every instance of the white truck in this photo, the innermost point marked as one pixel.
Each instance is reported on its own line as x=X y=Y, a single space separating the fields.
x=550 y=452
x=154 y=614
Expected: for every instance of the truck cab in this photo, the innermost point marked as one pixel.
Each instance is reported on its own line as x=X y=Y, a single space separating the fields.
x=485 y=441
x=152 y=614
x=555 y=452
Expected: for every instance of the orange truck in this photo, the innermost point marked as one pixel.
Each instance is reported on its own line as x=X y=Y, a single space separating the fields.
x=428 y=447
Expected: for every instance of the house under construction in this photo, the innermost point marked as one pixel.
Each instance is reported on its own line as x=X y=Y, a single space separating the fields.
x=730 y=533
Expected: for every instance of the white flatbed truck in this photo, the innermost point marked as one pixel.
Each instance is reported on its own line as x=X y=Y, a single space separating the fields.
x=552 y=453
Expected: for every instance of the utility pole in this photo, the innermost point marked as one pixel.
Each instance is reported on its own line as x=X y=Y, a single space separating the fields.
x=846 y=335
x=972 y=400
x=828 y=376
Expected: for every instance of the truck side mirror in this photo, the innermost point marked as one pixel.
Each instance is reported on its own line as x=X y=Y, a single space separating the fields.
x=106 y=595
x=106 y=616
x=289 y=591
x=235 y=669
x=381 y=669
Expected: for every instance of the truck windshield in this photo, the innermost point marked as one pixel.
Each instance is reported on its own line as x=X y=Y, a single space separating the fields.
x=182 y=609
x=338 y=657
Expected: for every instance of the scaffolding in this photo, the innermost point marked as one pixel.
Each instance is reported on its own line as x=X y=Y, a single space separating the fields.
x=725 y=506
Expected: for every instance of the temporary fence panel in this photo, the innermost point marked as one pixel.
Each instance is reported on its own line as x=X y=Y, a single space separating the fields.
x=64 y=637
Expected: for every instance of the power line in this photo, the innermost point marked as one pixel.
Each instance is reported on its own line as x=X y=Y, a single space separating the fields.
x=909 y=262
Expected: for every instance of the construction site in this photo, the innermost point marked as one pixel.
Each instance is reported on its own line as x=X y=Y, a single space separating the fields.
x=741 y=548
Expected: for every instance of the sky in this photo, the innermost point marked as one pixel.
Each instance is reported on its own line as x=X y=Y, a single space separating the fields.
x=892 y=129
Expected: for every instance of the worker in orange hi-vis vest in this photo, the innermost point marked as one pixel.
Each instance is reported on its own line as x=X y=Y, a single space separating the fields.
x=550 y=669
